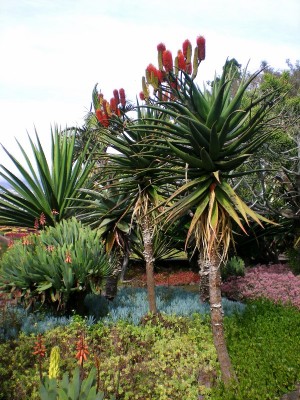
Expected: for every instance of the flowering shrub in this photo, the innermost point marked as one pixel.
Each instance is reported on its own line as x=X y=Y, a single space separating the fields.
x=275 y=282
x=174 y=279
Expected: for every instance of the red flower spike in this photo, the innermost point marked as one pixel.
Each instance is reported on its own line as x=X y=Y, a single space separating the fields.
x=113 y=105
x=36 y=224
x=201 y=48
x=116 y=96
x=99 y=115
x=39 y=347
x=167 y=60
x=82 y=350
x=181 y=60
x=142 y=96
x=122 y=97
x=42 y=219
x=186 y=47
x=161 y=47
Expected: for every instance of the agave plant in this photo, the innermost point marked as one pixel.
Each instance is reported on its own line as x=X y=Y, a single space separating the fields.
x=209 y=134
x=44 y=191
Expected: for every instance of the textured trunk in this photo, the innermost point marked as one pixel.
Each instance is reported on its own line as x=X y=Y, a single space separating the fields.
x=124 y=266
x=111 y=286
x=213 y=265
x=204 y=279
x=149 y=259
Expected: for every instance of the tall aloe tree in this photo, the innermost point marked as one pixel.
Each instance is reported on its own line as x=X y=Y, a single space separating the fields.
x=131 y=168
x=213 y=132
x=44 y=190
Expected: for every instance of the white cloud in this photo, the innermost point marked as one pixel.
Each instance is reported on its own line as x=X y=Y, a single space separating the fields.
x=52 y=53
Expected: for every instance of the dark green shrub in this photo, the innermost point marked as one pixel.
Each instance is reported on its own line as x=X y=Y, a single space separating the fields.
x=61 y=265
x=235 y=266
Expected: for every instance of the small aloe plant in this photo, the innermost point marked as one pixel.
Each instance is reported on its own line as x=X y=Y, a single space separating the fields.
x=71 y=389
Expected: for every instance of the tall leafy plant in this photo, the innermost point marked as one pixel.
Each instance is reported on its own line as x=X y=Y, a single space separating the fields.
x=213 y=132
x=43 y=188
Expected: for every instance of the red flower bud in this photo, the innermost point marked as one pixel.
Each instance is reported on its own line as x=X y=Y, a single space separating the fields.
x=185 y=47
x=113 y=105
x=181 y=61
x=122 y=97
x=167 y=60
x=161 y=47
x=201 y=48
x=116 y=96
x=142 y=96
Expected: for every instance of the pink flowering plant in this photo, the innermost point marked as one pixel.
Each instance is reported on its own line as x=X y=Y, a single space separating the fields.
x=275 y=282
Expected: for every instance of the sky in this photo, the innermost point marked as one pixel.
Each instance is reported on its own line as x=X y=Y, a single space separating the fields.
x=53 y=52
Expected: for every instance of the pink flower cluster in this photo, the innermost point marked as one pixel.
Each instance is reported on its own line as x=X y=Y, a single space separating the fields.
x=176 y=278
x=275 y=282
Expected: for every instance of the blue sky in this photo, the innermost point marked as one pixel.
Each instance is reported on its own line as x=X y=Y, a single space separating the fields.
x=53 y=52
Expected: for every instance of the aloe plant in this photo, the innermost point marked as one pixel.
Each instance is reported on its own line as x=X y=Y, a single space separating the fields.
x=209 y=134
x=72 y=388
x=59 y=266
x=43 y=187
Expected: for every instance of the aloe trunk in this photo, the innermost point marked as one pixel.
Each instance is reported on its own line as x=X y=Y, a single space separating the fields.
x=204 y=271
x=148 y=252
x=215 y=299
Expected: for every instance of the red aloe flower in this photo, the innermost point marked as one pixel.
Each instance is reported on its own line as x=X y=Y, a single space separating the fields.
x=82 y=350
x=42 y=219
x=122 y=97
x=161 y=47
x=201 y=48
x=68 y=258
x=167 y=60
x=181 y=60
x=36 y=224
x=39 y=347
x=156 y=73
x=142 y=96
x=186 y=47
x=113 y=105
x=116 y=96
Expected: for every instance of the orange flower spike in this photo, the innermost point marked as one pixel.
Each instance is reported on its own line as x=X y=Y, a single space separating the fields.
x=100 y=98
x=160 y=48
x=99 y=115
x=167 y=60
x=181 y=60
x=39 y=347
x=122 y=97
x=113 y=105
x=82 y=350
x=201 y=48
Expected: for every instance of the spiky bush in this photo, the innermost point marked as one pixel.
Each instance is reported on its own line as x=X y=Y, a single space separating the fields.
x=60 y=265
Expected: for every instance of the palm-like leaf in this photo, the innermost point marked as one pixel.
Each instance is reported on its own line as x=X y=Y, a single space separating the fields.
x=44 y=187
x=210 y=134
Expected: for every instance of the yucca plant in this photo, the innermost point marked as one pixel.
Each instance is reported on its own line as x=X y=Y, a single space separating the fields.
x=209 y=134
x=44 y=188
